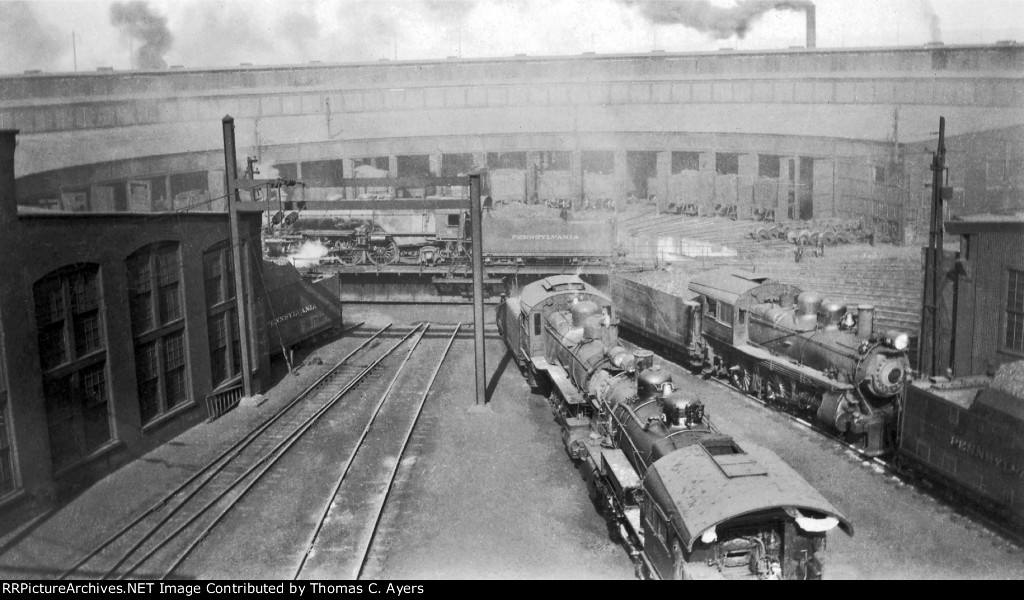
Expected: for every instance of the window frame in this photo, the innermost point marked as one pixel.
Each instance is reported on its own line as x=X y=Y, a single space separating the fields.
x=159 y=332
x=75 y=369
x=225 y=311
x=1005 y=311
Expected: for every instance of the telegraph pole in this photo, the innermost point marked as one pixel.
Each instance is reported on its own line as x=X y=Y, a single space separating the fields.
x=935 y=242
x=230 y=186
x=476 y=224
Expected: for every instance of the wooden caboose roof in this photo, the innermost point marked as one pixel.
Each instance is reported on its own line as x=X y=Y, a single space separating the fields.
x=705 y=491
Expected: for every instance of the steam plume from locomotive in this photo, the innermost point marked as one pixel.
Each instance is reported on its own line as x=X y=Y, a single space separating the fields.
x=140 y=23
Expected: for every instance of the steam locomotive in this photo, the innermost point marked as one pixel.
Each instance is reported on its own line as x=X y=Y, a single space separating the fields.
x=687 y=501
x=798 y=350
x=432 y=235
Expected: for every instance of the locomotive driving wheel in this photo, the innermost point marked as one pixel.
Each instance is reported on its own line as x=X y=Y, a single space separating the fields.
x=741 y=378
x=348 y=253
x=383 y=254
x=779 y=389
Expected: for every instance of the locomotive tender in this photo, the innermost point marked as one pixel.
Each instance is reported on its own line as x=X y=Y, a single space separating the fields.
x=968 y=434
x=688 y=501
x=798 y=350
x=432 y=235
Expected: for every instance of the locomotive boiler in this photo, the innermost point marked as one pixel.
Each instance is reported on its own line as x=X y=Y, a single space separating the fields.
x=688 y=501
x=798 y=350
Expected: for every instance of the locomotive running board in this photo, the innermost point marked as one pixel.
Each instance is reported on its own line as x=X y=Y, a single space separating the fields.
x=801 y=373
x=560 y=378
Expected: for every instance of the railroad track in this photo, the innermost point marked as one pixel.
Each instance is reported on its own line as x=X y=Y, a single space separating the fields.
x=362 y=489
x=157 y=541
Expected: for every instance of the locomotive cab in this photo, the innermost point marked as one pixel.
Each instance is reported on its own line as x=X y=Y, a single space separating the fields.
x=752 y=532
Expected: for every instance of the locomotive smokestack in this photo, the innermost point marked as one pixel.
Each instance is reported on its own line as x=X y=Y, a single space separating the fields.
x=8 y=197
x=812 y=26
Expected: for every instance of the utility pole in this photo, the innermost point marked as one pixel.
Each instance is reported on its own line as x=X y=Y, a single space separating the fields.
x=230 y=186
x=74 y=51
x=477 y=247
x=933 y=273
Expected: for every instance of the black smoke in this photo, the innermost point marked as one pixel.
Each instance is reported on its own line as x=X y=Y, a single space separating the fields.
x=148 y=30
x=717 y=21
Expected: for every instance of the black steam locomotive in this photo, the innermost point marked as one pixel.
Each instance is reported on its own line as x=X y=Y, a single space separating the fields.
x=688 y=501
x=797 y=350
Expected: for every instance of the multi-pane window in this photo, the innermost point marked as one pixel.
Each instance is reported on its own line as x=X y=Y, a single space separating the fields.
x=157 y=315
x=221 y=314
x=72 y=353
x=1015 y=310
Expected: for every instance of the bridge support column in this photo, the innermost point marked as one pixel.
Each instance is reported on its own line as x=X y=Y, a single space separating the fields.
x=348 y=170
x=622 y=180
x=664 y=174
x=435 y=162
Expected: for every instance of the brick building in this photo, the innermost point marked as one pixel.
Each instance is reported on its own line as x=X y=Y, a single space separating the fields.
x=114 y=329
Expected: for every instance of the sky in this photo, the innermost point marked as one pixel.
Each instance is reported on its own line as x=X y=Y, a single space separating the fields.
x=83 y=35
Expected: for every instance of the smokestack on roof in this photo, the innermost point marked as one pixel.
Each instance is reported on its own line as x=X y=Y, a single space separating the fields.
x=812 y=26
x=8 y=197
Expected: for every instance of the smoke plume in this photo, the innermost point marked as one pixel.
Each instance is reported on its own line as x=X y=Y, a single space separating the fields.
x=934 y=24
x=719 y=22
x=148 y=29
x=25 y=43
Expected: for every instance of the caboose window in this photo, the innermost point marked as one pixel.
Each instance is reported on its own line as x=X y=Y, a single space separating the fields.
x=1015 y=310
x=536 y=323
x=453 y=220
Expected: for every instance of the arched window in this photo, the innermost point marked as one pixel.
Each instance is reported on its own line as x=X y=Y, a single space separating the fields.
x=158 y=328
x=72 y=353
x=221 y=314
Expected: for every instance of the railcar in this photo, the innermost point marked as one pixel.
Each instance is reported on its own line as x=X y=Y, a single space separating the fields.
x=688 y=501
x=299 y=308
x=798 y=350
x=968 y=434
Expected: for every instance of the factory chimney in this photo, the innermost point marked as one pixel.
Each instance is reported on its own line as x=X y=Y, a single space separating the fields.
x=8 y=197
x=812 y=26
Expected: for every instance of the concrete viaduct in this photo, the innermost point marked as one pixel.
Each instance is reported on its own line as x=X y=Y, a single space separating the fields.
x=809 y=132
